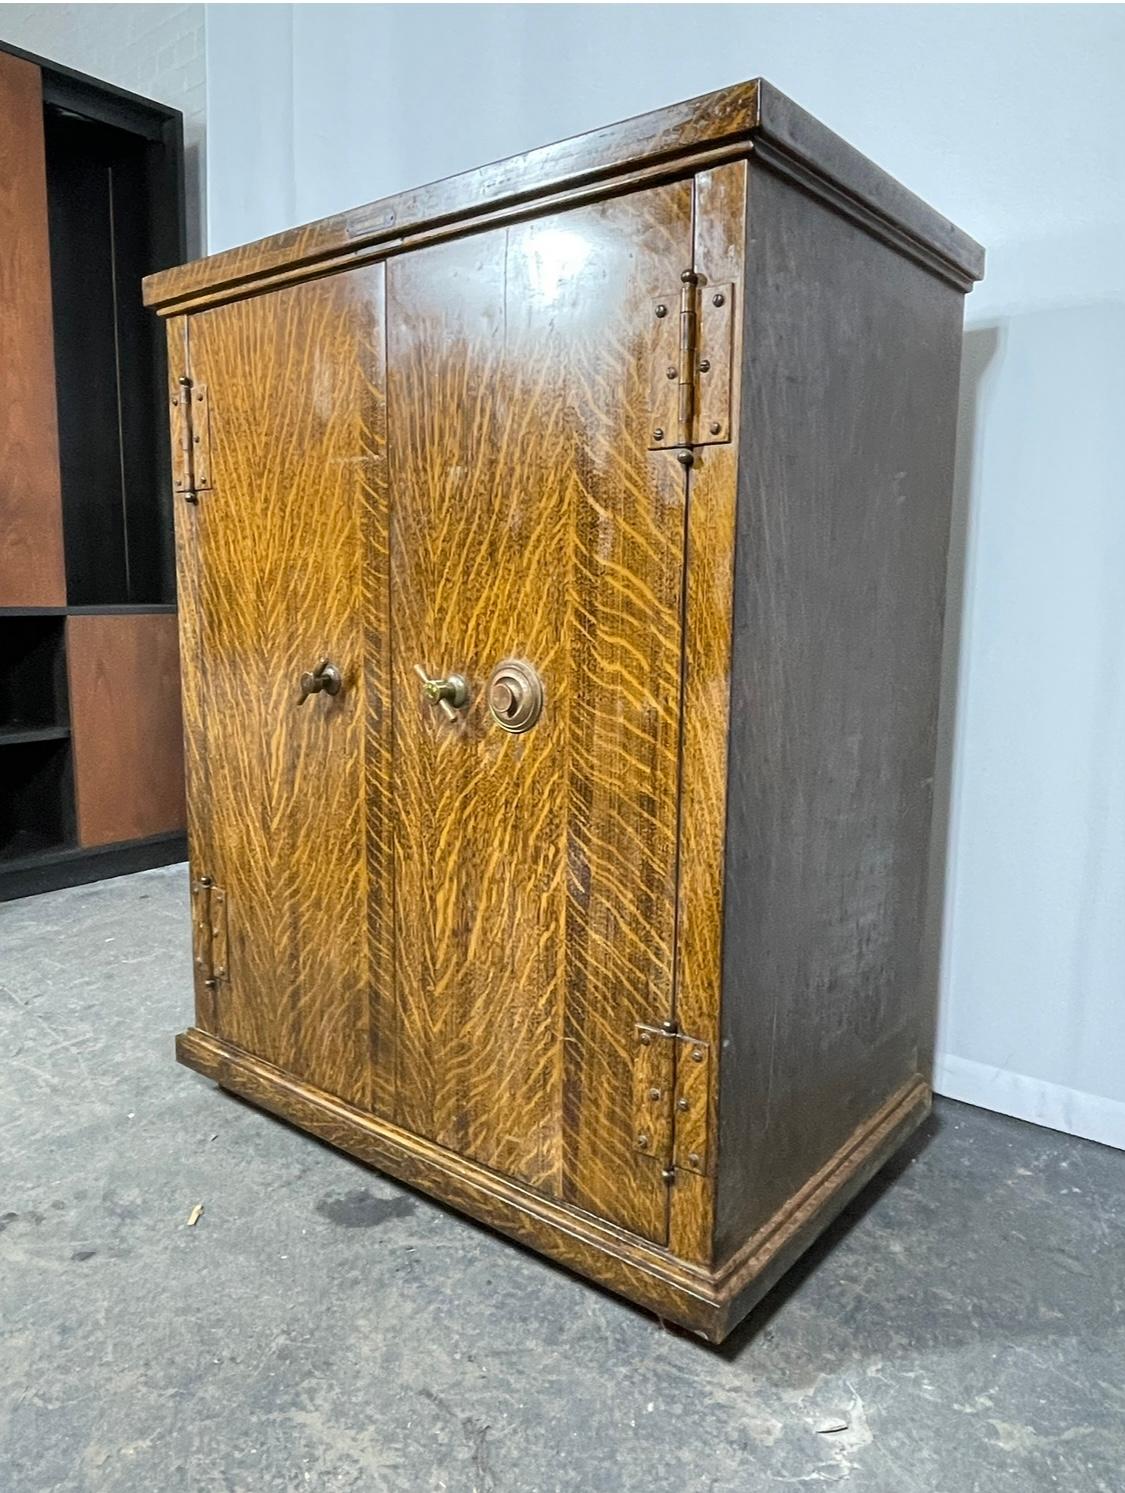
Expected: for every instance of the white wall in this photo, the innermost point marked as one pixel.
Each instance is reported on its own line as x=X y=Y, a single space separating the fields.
x=153 y=50
x=1011 y=120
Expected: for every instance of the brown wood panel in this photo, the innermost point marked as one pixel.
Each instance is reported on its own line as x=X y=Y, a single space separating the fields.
x=123 y=674
x=278 y=566
x=535 y=874
x=31 y=537
x=850 y=377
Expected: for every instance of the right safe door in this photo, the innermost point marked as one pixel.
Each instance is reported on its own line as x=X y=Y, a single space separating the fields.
x=537 y=556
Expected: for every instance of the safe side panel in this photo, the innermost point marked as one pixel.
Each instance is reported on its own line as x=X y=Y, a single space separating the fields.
x=535 y=874
x=849 y=405
x=275 y=553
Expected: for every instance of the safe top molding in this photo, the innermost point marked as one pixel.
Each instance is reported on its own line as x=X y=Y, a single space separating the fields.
x=732 y=122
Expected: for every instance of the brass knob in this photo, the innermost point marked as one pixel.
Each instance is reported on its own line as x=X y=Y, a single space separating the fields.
x=326 y=676
x=504 y=697
x=451 y=693
x=515 y=695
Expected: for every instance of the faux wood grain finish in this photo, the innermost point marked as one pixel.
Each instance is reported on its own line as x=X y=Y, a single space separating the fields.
x=535 y=874
x=720 y=234
x=124 y=684
x=31 y=537
x=276 y=553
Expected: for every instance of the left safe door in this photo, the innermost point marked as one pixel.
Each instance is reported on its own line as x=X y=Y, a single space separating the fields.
x=280 y=606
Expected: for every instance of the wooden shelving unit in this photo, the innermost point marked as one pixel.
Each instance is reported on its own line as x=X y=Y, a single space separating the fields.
x=91 y=200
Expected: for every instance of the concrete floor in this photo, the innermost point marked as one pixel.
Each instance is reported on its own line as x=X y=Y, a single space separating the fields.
x=323 y=1328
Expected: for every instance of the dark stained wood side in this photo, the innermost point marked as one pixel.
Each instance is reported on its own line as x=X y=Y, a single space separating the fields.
x=850 y=380
x=124 y=682
x=535 y=874
x=31 y=536
x=792 y=130
x=277 y=558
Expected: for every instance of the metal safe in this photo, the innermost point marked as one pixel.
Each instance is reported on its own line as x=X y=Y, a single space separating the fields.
x=562 y=557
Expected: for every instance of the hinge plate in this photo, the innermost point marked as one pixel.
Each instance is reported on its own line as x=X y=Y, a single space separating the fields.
x=690 y=351
x=664 y=374
x=201 y=925
x=653 y=1076
x=209 y=931
x=218 y=917
x=715 y=347
x=671 y=1098
x=691 y=1105
x=191 y=437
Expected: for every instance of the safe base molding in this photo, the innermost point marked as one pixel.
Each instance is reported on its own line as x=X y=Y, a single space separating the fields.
x=708 y=1302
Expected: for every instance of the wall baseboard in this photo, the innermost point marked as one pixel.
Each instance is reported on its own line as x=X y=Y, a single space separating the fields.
x=1090 y=1116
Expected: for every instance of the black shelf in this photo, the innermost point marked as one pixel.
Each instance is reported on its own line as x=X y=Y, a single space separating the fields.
x=19 y=735
x=106 y=609
x=26 y=871
x=114 y=206
x=37 y=811
x=23 y=846
x=33 y=692
x=107 y=201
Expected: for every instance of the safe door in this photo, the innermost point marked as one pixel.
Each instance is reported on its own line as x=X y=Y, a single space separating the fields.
x=537 y=556
x=278 y=615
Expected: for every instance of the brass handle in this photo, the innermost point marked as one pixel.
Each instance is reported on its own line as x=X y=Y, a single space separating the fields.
x=326 y=676
x=451 y=693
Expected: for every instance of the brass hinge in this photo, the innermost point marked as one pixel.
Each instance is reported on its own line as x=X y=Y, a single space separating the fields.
x=690 y=384
x=671 y=1098
x=209 y=931
x=191 y=439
